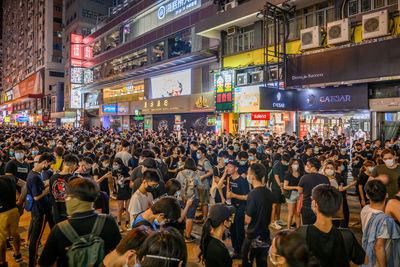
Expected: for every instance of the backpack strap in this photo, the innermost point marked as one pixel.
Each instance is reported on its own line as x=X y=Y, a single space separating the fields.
x=69 y=232
x=99 y=224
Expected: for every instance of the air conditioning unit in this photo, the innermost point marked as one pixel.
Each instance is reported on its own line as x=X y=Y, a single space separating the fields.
x=339 y=31
x=310 y=37
x=231 y=4
x=257 y=76
x=375 y=25
x=274 y=74
x=242 y=78
x=233 y=30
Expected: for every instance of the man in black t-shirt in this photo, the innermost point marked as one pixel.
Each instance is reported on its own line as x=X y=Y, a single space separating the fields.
x=331 y=246
x=258 y=218
x=306 y=185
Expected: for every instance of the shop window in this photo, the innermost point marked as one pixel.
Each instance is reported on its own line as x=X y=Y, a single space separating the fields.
x=353 y=8
x=365 y=5
x=157 y=52
x=112 y=40
x=179 y=45
x=379 y=3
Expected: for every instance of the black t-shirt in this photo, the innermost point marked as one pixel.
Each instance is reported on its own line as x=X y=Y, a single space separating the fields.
x=58 y=187
x=239 y=186
x=331 y=249
x=292 y=181
x=259 y=208
x=308 y=182
x=55 y=248
x=18 y=169
x=100 y=172
x=278 y=169
x=35 y=187
x=7 y=193
x=357 y=158
x=217 y=255
x=368 y=154
x=362 y=180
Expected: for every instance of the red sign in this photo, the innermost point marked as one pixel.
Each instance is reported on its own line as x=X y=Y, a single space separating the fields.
x=87 y=52
x=76 y=51
x=76 y=39
x=260 y=116
x=76 y=62
x=303 y=130
x=286 y=116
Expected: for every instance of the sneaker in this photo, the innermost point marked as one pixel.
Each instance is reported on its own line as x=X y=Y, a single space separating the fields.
x=189 y=239
x=281 y=223
x=17 y=258
x=276 y=225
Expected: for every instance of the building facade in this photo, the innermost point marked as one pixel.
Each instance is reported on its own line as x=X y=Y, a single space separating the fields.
x=32 y=57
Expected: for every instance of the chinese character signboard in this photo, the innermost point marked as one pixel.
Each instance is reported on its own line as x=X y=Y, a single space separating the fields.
x=224 y=85
x=303 y=130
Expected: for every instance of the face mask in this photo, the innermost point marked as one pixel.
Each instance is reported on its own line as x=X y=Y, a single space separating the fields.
x=149 y=189
x=53 y=143
x=84 y=148
x=388 y=162
x=307 y=169
x=106 y=165
x=74 y=139
x=100 y=149
x=249 y=181
x=317 y=150
x=344 y=149
x=34 y=152
x=11 y=153
x=295 y=167
x=242 y=163
x=370 y=169
x=286 y=164
x=115 y=168
x=75 y=205
x=235 y=147
x=226 y=161
x=112 y=146
x=198 y=156
x=16 y=139
x=367 y=147
x=329 y=172
x=19 y=156
x=390 y=145
x=157 y=223
x=46 y=168
x=251 y=158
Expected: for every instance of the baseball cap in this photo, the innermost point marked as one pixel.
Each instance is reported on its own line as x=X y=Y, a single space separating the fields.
x=220 y=212
x=234 y=163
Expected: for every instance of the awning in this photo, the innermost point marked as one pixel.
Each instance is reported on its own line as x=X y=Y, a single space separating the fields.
x=64 y=114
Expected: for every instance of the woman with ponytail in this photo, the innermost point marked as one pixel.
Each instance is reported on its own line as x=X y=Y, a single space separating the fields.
x=289 y=249
x=213 y=252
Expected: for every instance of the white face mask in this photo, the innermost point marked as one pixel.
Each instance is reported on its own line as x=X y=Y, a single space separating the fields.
x=389 y=162
x=295 y=167
x=307 y=169
x=329 y=172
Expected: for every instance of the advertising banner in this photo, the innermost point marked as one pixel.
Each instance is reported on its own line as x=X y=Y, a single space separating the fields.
x=224 y=86
x=172 y=84
x=32 y=85
x=275 y=99
x=372 y=60
x=260 y=116
x=333 y=98
x=247 y=99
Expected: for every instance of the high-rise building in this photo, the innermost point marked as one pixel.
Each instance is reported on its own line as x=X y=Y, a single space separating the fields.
x=32 y=69
x=79 y=18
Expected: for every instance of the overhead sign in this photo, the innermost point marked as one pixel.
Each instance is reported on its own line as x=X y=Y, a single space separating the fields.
x=109 y=109
x=275 y=99
x=247 y=99
x=76 y=96
x=224 y=85
x=333 y=98
x=176 y=7
x=261 y=116
x=32 y=85
x=7 y=119
x=172 y=84
x=22 y=119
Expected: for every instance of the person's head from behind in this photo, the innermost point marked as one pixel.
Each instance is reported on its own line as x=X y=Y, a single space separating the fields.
x=376 y=191
x=327 y=200
x=45 y=160
x=165 y=210
x=256 y=173
x=219 y=220
x=313 y=165
x=150 y=180
x=81 y=194
x=190 y=164
x=289 y=249
x=59 y=151
x=125 y=254
x=173 y=187
x=163 y=249
x=70 y=163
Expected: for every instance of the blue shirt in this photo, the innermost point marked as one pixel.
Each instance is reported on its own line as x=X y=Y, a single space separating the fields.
x=140 y=218
x=35 y=187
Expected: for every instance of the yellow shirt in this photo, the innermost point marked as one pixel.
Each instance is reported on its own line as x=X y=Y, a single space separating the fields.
x=57 y=165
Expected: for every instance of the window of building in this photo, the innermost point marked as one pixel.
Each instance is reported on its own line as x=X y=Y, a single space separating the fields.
x=239 y=43
x=392 y=2
x=379 y=3
x=353 y=7
x=56 y=74
x=179 y=45
x=365 y=5
x=309 y=20
x=157 y=52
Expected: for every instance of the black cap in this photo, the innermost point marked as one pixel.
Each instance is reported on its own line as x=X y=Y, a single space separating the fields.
x=220 y=212
x=234 y=163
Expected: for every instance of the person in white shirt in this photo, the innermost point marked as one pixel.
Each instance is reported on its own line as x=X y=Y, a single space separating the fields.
x=124 y=155
x=142 y=199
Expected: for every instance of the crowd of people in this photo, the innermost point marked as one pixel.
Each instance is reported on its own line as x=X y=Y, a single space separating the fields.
x=164 y=183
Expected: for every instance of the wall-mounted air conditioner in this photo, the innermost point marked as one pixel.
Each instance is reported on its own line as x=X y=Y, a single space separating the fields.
x=231 y=4
x=242 y=79
x=274 y=74
x=310 y=38
x=375 y=25
x=257 y=76
x=339 y=31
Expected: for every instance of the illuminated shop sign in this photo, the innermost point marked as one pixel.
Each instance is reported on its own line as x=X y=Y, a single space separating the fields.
x=76 y=96
x=176 y=7
x=109 y=109
x=77 y=75
x=224 y=85
x=261 y=116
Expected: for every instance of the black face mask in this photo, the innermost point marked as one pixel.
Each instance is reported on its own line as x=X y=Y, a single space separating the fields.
x=46 y=168
x=149 y=189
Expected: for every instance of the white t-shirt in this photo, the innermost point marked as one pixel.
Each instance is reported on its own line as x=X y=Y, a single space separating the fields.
x=139 y=202
x=124 y=156
x=366 y=214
